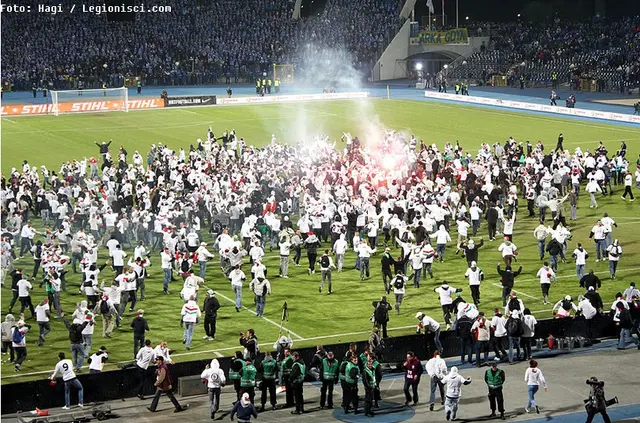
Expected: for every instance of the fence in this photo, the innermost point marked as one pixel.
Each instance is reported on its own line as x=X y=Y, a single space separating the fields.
x=119 y=384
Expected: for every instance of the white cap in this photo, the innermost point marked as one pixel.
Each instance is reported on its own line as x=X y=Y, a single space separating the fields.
x=419 y=314
x=473 y=263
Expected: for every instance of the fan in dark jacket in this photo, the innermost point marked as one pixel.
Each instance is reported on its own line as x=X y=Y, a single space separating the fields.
x=508 y=279
x=387 y=261
x=75 y=337
x=554 y=248
x=514 y=332
x=140 y=327
x=210 y=308
x=470 y=251
x=594 y=297
x=463 y=333
x=421 y=233
x=381 y=314
x=590 y=279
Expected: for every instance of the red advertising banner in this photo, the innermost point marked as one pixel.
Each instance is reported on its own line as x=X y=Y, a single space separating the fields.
x=80 y=107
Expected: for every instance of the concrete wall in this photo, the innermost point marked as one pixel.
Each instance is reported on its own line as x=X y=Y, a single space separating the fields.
x=385 y=67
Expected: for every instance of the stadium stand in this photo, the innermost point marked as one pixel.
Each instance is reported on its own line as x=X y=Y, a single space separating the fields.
x=199 y=44
x=605 y=50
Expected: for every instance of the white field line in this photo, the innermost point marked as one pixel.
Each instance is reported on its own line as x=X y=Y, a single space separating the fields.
x=8 y=120
x=519 y=291
x=189 y=111
x=262 y=317
x=308 y=109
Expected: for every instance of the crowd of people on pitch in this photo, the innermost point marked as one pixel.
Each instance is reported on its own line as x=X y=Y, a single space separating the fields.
x=331 y=200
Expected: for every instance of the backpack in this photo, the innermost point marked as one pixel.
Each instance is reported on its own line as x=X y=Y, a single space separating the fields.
x=104 y=308
x=398 y=283
x=324 y=261
x=514 y=327
x=18 y=336
x=74 y=336
x=184 y=266
x=514 y=304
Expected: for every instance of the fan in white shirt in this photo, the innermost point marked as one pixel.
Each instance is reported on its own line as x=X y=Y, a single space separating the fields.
x=446 y=293
x=546 y=275
x=475 y=276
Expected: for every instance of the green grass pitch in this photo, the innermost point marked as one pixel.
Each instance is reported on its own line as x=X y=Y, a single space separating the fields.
x=315 y=318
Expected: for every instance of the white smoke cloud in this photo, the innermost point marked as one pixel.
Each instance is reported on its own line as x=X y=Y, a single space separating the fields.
x=330 y=68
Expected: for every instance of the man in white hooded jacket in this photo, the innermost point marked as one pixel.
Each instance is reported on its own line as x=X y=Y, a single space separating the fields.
x=454 y=382
x=214 y=376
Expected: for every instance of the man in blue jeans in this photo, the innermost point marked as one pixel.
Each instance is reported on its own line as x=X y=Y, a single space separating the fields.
x=166 y=260
x=514 y=332
x=624 y=322
x=436 y=369
x=65 y=369
x=75 y=337
x=190 y=316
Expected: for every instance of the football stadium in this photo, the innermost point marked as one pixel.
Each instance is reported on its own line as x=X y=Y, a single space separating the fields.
x=259 y=208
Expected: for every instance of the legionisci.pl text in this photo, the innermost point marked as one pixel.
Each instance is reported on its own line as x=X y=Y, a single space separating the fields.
x=123 y=8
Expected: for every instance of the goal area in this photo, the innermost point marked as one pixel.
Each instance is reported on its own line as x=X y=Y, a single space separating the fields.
x=283 y=72
x=89 y=100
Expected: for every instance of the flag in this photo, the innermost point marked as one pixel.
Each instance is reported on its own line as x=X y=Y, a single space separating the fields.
x=430 y=6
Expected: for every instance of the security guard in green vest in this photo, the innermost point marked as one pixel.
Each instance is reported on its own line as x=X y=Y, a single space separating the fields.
x=258 y=86
x=104 y=87
x=554 y=80
x=264 y=84
x=457 y=88
x=369 y=382
x=269 y=369
x=329 y=377
x=248 y=379
x=377 y=371
x=269 y=83
x=495 y=378
x=351 y=375
x=522 y=82
x=298 y=370
x=341 y=377
x=235 y=372
x=362 y=358
x=276 y=85
x=286 y=366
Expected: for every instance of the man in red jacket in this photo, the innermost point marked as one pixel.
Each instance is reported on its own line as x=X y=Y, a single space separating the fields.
x=163 y=384
x=413 y=371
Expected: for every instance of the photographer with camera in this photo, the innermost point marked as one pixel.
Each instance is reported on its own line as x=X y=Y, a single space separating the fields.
x=596 y=402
